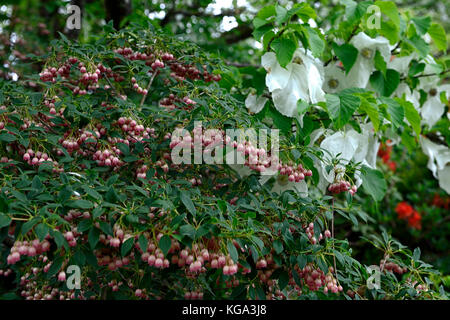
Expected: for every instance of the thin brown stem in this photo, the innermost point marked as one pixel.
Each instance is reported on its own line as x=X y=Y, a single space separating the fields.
x=332 y=235
x=148 y=88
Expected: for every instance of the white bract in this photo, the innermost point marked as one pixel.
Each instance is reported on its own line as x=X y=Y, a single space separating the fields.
x=439 y=157
x=364 y=65
x=335 y=79
x=401 y=64
x=346 y=146
x=433 y=109
x=254 y=103
x=302 y=79
x=403 y=90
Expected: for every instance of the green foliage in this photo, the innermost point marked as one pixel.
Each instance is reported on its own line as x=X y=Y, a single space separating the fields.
x=212 y=211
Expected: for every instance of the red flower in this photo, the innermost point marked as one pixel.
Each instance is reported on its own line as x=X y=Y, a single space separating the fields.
x=414 y=220
x=392 y=165
x=441 y=202
x=384 y=152
x=404 y=210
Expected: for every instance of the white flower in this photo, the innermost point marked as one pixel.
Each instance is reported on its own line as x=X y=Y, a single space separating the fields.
x=282 y=183
x=254 y=103
x=438 y=154
x=364 y=65
x=444 y=179
x=350 y=145
x=335 y=79
x=439 y=157
x=400 y=64
x=302 y=79
x=342 y=143
x=277 y=77
x=433 y=109
x=411 y=96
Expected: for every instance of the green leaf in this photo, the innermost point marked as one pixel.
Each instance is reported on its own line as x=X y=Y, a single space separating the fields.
x=55 y=267
x=437 y=33
x=390 y=31
x=79 y=258
x=4 y=204
x=188 y=230
x=389 y=9
x=302 y=107
x=282 y=14
x=341 y=108
x=316 y=43
x=278 y=246
x=408 y=140
x=258 y=22
x=131 y=158
x=37 y=183
x=372 y=112
x=301 y=261
x=395 y=110
x=127 y=246
x=266 y=12
x=385 y=85
x=303 y=11
x=380 y=64
x=27 y=226
x=412 y=115
x=59 y=239
x=94 y=194
x=283 y=280
x=258 y=33
x=4 y=220
x=416 y=68
x=374 y=183
x=268 y=36
x=124 y=148
x=232 y=251
x=420 y=45
x=186 y=199
x=84 y=225
x=64 y=194
x=280 y=121
x=41 y=231
x=9 y=296
x=164 y=244
x=97 y=212
x=416 y=254
x=80 y=204
x=106 y=228
x=93 y=237
x=7 y=137
x=284 y=49
x=143 y=243
x=422 y=24
x=346 y=53
x=354 y=11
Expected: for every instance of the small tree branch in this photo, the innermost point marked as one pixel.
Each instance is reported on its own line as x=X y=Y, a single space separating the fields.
x=148 y=88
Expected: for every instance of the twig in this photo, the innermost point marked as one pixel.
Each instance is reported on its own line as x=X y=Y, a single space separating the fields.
x=428 y=74
x=148 y=88
x=332 y=235
x=396 y=47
